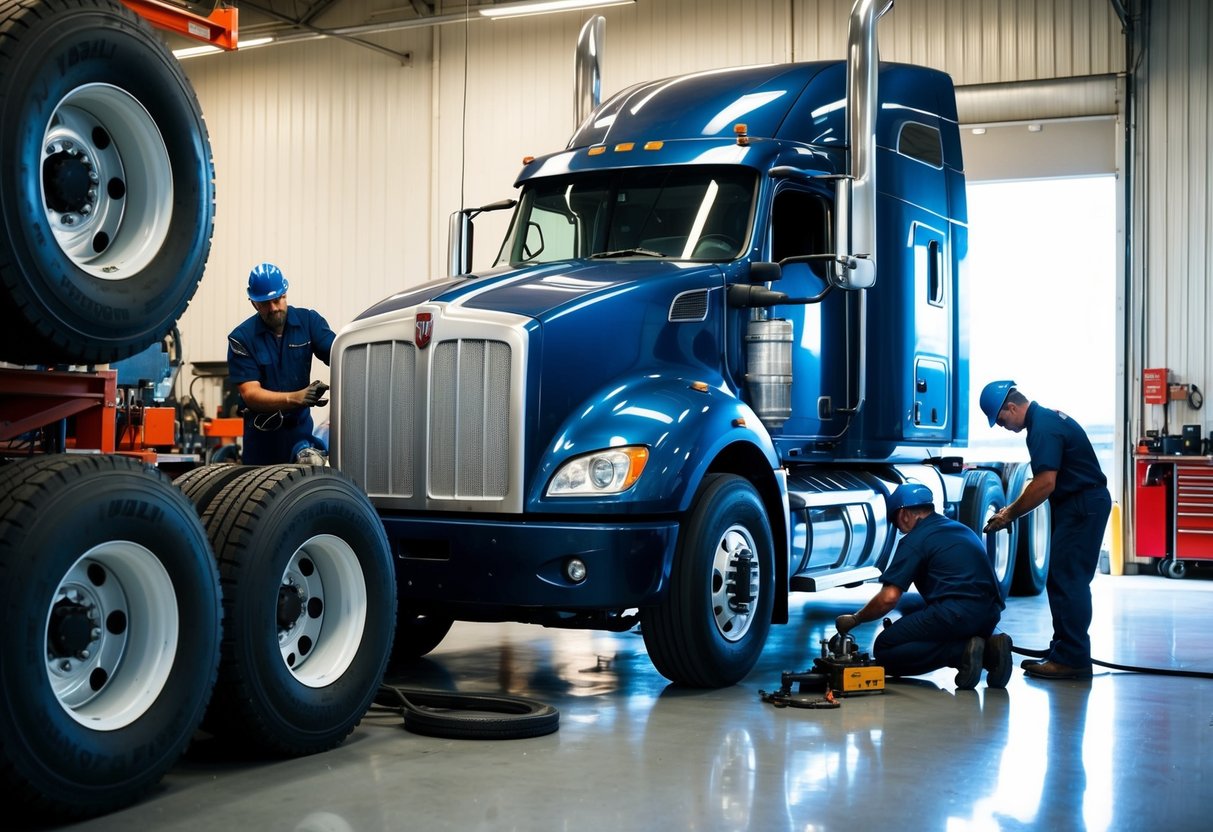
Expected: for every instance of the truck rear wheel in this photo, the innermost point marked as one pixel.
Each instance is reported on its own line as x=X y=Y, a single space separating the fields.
x=309 y=608
x=111 y=638
x=106 y=183
x=1034 y=532
x=711 y=626
x=983 y=497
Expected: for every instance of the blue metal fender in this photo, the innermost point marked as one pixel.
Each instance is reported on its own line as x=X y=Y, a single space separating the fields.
x=687 y=424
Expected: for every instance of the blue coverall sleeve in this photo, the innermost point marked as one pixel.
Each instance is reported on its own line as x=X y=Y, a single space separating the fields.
x=241 y=366
x=322 y=336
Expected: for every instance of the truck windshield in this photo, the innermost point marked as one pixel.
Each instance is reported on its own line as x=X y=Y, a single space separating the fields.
x=683 y=213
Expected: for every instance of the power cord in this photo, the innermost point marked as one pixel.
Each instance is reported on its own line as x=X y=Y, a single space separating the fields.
x=1153 y=671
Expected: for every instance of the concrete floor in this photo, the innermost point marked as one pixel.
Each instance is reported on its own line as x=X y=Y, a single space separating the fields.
x=1122 y=751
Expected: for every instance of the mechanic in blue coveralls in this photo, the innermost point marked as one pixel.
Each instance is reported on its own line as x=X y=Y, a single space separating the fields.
x=947 y=563
x=1066 y=472
x=269 y=359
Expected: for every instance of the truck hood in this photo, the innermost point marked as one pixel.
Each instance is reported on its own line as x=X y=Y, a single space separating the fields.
x=541 y=292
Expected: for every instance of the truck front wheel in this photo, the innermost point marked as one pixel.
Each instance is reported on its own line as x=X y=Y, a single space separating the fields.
x=309 y=606
x=111 y=636
x=713 y=622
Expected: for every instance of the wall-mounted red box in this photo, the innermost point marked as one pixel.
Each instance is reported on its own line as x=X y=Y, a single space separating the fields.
x=1154 y=384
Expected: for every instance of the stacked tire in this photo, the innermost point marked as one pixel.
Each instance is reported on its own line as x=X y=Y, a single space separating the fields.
x=127 y=629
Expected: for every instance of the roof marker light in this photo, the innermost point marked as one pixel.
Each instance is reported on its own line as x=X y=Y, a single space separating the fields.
x=654 y=145
x=743 y=139
x=597 y=150
x=624 y=147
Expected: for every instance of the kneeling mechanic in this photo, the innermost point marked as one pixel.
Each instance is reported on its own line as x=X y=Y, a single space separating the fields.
x=947 y=563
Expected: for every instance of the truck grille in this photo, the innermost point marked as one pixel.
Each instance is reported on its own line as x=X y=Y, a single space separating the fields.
x=464 y=435
x=469 y=420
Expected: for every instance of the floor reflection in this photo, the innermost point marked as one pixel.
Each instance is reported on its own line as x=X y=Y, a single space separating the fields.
x=1119 y=752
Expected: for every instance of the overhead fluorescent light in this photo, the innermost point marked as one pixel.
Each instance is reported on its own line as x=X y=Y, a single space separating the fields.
x=546 y=6
x=207 y=49
x=252 y=42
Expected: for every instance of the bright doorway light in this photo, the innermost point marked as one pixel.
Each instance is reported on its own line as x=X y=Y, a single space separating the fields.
x=1042 y=289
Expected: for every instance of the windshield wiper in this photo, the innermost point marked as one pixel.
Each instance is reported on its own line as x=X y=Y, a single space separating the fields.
x=627 y=252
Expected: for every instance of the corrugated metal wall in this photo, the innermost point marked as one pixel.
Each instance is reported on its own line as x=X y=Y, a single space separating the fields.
x=1173 y=268
x=342 y=166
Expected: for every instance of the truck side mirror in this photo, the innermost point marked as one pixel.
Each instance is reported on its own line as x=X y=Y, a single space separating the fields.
x=762 y=272
x=461 y=233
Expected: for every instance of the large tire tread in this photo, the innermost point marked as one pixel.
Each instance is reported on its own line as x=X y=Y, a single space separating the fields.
x=245 y=710
x=31 y=493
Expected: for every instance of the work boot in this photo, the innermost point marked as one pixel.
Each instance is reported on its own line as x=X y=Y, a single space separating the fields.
x=968 y=672
x=997 y=660
x=1056 y=670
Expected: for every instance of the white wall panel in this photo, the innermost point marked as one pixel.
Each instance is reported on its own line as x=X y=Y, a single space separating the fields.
x=322 y=162
x=1174 y=208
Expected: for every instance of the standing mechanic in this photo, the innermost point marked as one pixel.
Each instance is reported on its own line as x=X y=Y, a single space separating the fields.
x=269 y=359
x=1066 y=473
x=948 y=564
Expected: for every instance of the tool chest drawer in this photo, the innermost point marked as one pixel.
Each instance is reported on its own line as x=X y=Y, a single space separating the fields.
x=1194 y=511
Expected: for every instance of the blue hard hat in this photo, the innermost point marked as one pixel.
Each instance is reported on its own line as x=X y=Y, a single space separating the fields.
x=993 y=397
x=266 y=282
x=908 y=495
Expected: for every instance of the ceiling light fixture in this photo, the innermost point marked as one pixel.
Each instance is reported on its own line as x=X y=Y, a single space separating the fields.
x=546 y=6
x=195 y=51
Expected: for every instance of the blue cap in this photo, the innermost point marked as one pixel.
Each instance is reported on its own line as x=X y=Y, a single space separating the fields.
x=908 y=495
x=993 y=397
x=266 y=282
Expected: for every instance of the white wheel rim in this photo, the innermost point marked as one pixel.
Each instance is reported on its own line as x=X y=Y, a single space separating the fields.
x=733 y=619
x=111 y=635
x=106 y=181
x=322 y=606
x=1002 y=545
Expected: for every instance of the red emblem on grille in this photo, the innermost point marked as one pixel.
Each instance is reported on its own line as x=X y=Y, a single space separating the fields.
x=424 y=329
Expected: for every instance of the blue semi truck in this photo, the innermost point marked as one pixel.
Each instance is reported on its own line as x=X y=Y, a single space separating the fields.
x=726 y=321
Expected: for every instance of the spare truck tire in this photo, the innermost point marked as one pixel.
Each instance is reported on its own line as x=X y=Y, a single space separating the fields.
x=106 y=183
x=309 y=607
x=110 y=645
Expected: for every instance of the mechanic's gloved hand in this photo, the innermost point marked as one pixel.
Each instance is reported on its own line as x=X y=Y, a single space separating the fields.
x=846 y=623
x=314 y=397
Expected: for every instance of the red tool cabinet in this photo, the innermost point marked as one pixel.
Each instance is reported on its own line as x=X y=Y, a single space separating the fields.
x=1173 y=507
x=1193 y=510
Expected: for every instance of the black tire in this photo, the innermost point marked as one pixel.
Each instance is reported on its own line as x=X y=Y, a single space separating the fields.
x=298 y=545
x=94 y=272
x=983 y=496
x=1033 y=532
x=202 y=485
x=1172 y=568
x=418 y=634
x=91 y=720
x=696 y=636
x=476 y=716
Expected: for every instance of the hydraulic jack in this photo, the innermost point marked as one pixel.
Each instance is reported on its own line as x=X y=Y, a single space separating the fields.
x=840 y=670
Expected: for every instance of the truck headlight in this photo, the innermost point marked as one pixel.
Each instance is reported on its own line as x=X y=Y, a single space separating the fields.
x=602 y=472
